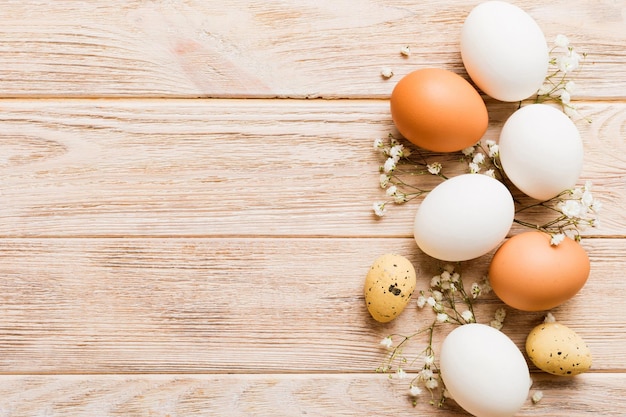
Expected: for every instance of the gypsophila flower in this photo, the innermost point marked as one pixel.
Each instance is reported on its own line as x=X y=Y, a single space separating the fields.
x=442 y=317
x=431 y=301
x=568 y=62
x=565 y=97
x=384 y=180
x=435 y=281
x=536 y=397
x=386 y=72
x=468 y=316
x=571 y=208
x=431 y=383
x=379 y=144
x=379 y=209
x=434 y=168
x=493 y=149
x=437 y=295
x=397 y=151
x=405 y=51
x=496 y=324
x=426 y=374
x=469 y=151
x=421 y=301
x=570 y=87
x=386 y=342
x=390 y=165
x=391 y=191
x=561 y=41
x=429 y=360
x=414 y=390
x=478 y=158
x=401 y=373
x=490 y=173
x=556 y=239
x=500 y=314
x=474 y=168
x=475 y=290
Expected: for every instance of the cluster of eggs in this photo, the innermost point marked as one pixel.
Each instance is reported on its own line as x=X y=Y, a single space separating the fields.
x=506 y=56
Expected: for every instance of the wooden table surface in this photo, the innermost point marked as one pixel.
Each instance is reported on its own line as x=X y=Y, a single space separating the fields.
x=186 y=205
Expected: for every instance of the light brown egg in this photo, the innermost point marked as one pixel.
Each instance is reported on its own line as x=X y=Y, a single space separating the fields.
x=438 y=110
x=558 y=350
x=389 y=285
x=530 y=274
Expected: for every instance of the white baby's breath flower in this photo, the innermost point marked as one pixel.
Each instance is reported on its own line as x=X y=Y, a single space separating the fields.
x=435 y=281
x=468 y=151
x=437 y=295
x=429 y=360
x=431 y=301
x=570 y=87
x=379 y=144
x=474 y=168
x=397 y=151
x=442 y=317
x=536 y=397
x=569 y=62
x=431 y=383
x=467 y=315
x=386 y=342
x=500 y=314
x=426 y=374
x=571 y=208
x=561 y=41
x=390 y=165
x=478 y=158
x=391 y=191
x=445 y=276
x=414 y=391
x=421 y=301
x=455 y=277
x=434 y=168
x=493 y=150
x=490 y=173
x=405 y=51
x=384 y=180
x=496 y=324
x=401 y=373
x=557 y=238
x=386 y=72
x=400 y=198
x=475 y=290
x=565 y=97
x=380 y=209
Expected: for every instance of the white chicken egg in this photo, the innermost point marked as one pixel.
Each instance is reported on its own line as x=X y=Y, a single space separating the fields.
x=541 y=151
x=484 y=371
x=463 y=218
x=504 y=51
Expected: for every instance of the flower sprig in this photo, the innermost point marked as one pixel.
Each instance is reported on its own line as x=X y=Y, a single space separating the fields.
x=400 y=162
x=452 y=304
x=576 y=209
x=564 y=60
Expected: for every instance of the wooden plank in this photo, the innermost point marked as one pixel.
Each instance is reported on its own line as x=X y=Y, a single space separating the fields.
x=277 y=395
x=267 y=48
x=233 y=167
x=243 y=305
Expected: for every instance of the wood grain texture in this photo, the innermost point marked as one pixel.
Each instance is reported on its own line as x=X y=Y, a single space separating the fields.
x=318 y=395
x=220 y=167
x=276 y=48
x=186 y=194
x=242 y=305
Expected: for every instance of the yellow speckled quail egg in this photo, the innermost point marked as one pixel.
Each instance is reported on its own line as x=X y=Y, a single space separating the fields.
x=389 y=285
x=558 y=350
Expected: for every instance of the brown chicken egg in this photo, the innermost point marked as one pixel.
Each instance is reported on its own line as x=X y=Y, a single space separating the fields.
x=530 y=274
x=438 y=110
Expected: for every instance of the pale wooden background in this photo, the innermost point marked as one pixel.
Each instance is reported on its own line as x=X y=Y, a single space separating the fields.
x=186 y=215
